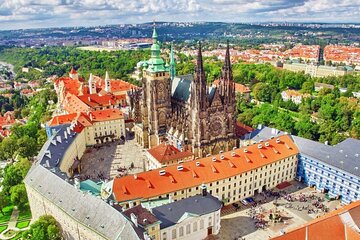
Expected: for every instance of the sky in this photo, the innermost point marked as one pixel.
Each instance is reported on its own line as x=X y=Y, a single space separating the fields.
x=15 y=14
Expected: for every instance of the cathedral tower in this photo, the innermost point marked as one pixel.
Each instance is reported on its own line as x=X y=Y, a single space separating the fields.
x=156 y=99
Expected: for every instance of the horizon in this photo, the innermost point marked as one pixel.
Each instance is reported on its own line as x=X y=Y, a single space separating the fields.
x=30 y=14
x=196 y=22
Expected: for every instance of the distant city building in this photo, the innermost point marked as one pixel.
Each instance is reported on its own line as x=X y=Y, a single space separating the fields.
x=319 y=86
x=332 y=169
x=294 y=96
x=308 y=53
x=317 y=71
x=342 y=54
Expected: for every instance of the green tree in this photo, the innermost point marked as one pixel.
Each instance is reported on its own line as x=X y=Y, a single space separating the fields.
x=45 y=228
x=4 y=201
x=18 y=196
x=262 y=92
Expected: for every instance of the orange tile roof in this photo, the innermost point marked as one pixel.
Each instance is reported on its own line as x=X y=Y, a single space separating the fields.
x=88 y=118
x=208 y=170
x=329 y=226
x=106 y=115
x=62 y=119
x=242 y=129
x=166 y=152
x=72 y=104
x=240 y=88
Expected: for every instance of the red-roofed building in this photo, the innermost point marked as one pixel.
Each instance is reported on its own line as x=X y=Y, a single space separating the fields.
x=231 y=175
x=76 y=96
x=7 y=120
x=100 y=125
x=342 y=54
x=341 y=224
x=166 y=154
x=242 y=129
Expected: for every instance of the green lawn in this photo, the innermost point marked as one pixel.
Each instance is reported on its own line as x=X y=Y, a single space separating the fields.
x=7 y=214
x=22 y=224
x=10 y=233
x=3 y=228
x=24 y=214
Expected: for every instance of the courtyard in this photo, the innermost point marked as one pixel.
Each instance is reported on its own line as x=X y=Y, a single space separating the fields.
x=275 y=212
x=112 y=159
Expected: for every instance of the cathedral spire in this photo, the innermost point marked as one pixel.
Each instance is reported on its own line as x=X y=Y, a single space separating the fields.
x=172 y=64
x=200 y=81
x=154 y=35
x=227 y=85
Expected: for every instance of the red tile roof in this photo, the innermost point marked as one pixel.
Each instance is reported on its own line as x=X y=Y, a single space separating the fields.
x=144 y=217
x=166 y=152
x=239 y=88
x=88 y=118
x=242 y=129
x=130 y=187
x=62 y=119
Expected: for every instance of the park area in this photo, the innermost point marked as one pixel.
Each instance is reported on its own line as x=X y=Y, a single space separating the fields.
x=13 y=221
x=273 y=212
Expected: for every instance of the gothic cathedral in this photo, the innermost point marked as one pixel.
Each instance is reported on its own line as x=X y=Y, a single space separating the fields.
x=183 y=110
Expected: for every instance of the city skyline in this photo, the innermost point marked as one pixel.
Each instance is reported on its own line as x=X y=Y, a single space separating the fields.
x=17 y=14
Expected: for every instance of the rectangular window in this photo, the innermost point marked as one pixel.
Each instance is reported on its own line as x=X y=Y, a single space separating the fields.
x=202 y=224
x=194 y=226
x=173 y=234
x=188 y=229
x=181 y=231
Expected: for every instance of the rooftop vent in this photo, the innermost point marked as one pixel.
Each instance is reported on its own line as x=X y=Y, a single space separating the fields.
x=214 y=159
x=245 y=150
x=221 y=151
x=162 y=172
x=135 y=176
x=196 y=158
x=198 y=164
x=267 y=144
x=222 y=157
x=181 y=161
x=208 y=155
x=356 y=155
x=180 y=168
x=233 y=154
x=278 y=140
x=260 y=146
x=234 y=148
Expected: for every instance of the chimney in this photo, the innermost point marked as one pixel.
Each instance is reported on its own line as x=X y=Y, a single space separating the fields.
x=203 y=189
x=134 y=219
x=77 y=183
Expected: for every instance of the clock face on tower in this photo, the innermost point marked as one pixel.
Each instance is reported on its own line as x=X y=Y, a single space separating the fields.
x=215 y=128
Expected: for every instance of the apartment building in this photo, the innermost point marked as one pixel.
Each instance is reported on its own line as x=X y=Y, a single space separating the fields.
x=230 y=176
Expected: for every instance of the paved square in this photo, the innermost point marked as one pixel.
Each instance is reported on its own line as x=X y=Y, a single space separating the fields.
x=296 y=207
x=112 y=159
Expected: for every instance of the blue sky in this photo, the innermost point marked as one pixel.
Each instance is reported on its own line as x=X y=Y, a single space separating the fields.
x=57 y=13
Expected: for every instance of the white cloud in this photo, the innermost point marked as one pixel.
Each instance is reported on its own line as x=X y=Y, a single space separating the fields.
x=45 y=13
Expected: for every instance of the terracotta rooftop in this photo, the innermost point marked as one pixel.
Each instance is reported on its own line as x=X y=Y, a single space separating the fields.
x=333 y=225
x=242 y=129
x=239 y=88
x=166 y=152
x=144 y=217
x=87 y=118
x=193 y=173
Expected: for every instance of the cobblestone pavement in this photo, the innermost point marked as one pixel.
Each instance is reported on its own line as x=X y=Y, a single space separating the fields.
x=112 y=159
x=239 y=224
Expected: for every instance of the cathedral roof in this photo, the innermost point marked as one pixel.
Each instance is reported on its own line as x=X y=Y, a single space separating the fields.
x=181 y=86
